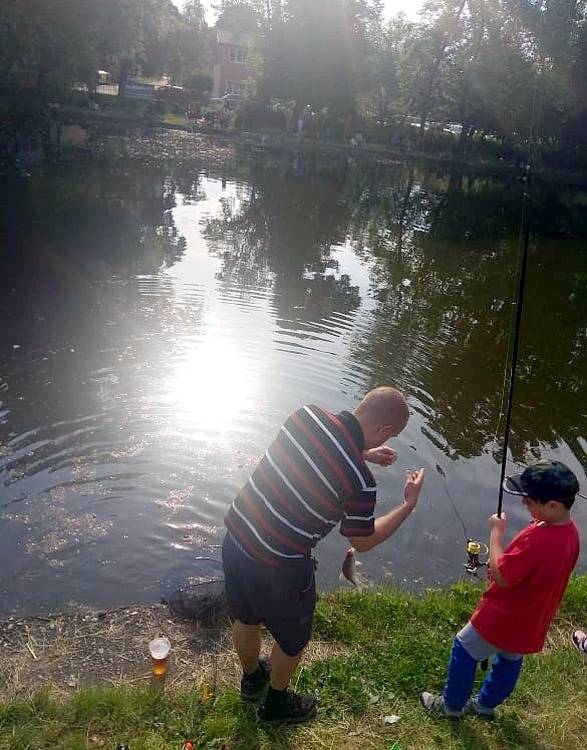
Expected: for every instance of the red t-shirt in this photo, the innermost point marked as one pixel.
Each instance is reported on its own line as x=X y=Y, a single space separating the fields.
x=536 y=567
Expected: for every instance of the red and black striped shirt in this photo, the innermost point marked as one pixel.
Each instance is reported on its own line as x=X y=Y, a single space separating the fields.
x=311 y=478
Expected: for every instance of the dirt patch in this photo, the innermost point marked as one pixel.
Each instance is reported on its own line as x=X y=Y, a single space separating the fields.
x=67 y=652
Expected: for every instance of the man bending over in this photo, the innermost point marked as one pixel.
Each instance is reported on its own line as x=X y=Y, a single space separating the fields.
x=312 y=477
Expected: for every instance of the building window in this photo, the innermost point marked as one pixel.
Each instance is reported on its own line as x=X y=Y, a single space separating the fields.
x=236 y=87
x=238 y=55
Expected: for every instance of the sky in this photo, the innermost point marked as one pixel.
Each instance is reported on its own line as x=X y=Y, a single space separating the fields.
x=409 y=7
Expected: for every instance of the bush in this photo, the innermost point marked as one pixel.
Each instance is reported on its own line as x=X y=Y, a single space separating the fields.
x=79 y=99
x=157 y=108
x=258 y=117
x=198 y=82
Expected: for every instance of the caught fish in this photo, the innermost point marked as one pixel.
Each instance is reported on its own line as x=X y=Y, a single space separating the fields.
x=441 y=471
x=349 y=568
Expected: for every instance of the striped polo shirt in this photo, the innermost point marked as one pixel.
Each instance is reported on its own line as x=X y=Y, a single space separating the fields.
x=311 y=478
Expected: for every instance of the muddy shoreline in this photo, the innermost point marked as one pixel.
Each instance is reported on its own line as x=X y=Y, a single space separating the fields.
x=71 y=651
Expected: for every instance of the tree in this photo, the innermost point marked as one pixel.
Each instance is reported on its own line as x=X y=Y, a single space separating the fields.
x=313 y=54
x=240 y=15
x=47 y=45
x=189 y=44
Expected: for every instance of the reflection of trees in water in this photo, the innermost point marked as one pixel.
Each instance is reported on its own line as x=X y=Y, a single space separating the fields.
x=281 y=234
x=94 y=342
x=442 y=251
x=94 y=217
x=444 y=336
x=554 y=353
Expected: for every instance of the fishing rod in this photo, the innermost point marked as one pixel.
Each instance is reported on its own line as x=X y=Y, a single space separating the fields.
x=525 y=232
x=525 y=246
x=477 y=550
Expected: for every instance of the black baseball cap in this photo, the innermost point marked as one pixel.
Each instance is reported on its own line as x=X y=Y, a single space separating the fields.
x=544 y=480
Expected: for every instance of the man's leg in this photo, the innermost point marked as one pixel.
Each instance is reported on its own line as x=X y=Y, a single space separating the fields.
x=247 y=642
x=238 y=571
x=282 y=705
x=282 y=667
x=290 y=624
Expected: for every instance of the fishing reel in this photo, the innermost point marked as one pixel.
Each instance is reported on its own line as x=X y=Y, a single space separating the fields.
x=475 y=550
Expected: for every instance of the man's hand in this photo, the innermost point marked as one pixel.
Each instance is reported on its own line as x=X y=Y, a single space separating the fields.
x=382 y=456
x=387 y=525
x=414 y=482
x=497 y=523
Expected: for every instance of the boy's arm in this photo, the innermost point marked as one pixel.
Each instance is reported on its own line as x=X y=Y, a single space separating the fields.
x=496 y=549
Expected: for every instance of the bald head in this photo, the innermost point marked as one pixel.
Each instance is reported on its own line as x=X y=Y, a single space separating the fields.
x=382 y=414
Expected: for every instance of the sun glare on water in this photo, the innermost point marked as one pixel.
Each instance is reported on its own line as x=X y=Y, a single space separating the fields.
x=211 y=386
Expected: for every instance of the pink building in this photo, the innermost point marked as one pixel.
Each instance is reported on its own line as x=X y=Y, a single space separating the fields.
x=232 y=63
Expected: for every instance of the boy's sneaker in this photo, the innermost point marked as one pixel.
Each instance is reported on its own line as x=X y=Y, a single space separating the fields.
x=436 y=705
x=580 y=641
x=474 y=708
x=285 y=707
x=253 y=685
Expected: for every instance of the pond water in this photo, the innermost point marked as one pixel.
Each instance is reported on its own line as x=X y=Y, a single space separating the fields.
x=169 y=300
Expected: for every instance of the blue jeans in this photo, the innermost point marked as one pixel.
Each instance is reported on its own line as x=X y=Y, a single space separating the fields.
x=468 y=650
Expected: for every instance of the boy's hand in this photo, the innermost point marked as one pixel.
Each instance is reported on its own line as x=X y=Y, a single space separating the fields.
x=383 y=456
x=498 y=524
x=414 y=482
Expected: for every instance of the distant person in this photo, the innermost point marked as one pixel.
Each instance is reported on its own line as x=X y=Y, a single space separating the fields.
x=579 y=638
x=529 y=579
x=348 y=128
x=288 y=117
x=312 y=477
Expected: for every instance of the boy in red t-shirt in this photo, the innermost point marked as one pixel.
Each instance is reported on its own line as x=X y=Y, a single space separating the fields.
x=529 y=579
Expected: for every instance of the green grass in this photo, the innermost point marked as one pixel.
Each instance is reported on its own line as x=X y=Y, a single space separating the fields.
x=393 y=645
x=173 y=119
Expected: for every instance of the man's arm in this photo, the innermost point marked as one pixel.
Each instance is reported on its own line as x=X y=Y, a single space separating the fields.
x=496 y=549
x=387 y=525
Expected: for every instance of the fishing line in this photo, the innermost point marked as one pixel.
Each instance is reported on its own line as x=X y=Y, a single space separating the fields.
x=453 y=501
x=474 y=549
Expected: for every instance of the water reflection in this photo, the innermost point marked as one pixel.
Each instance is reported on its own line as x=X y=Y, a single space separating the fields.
x=160 y=321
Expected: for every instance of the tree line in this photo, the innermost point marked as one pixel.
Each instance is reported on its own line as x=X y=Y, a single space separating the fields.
x=489 y=69
x=467 y=74
x=49 y=45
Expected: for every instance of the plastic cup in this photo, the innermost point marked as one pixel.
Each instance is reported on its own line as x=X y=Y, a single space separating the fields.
x=159 y=649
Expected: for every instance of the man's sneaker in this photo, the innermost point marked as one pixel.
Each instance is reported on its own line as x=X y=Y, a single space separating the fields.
x=580 y=641
x=474 y=708
x=287 y=707
x=436 y=705
x=253 y=685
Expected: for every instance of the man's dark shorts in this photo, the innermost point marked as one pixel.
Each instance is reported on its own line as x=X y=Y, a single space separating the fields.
x=282 y=598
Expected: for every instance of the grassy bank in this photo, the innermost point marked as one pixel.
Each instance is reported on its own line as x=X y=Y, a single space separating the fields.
x=379 y=649
x=277 y=140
